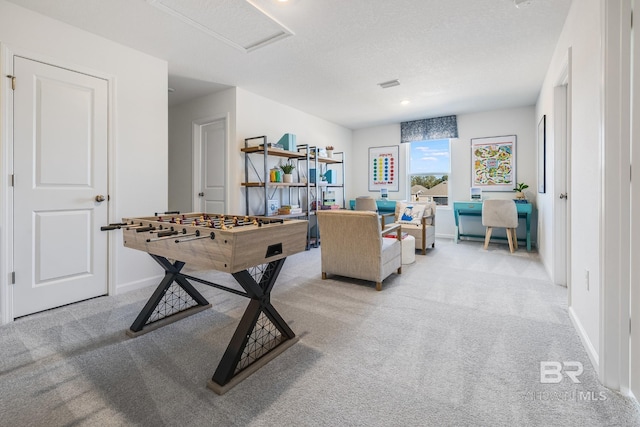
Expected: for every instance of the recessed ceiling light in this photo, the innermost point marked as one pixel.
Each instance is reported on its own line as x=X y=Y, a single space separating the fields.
x=390 y=83
x=521 y=4
x=405 y=102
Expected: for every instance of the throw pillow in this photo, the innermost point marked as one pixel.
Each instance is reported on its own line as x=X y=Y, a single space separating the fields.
x=410 y=213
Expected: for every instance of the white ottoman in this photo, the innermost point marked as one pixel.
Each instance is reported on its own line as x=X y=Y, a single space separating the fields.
x=408 y=249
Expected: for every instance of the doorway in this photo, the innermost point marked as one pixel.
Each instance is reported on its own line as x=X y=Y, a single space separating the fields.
x=209 y=165
x=60 y=186
x=561 y=181
x=561 y=203
x=634 y=309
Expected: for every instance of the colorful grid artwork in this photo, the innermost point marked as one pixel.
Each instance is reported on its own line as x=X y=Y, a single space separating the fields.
x=383 y=168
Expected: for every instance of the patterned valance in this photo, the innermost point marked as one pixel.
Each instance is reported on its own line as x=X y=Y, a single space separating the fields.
x=435 y=128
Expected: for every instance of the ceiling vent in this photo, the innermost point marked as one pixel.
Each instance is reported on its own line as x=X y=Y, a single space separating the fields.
x=390 y=83
x=240 y=24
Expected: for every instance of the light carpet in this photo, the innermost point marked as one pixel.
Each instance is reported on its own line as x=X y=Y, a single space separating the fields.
x=456 y=340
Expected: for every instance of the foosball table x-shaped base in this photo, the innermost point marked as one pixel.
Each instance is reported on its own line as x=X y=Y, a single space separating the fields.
x=261 y=335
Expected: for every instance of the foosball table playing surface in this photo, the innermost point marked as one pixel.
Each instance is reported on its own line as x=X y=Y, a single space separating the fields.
x=251 y=248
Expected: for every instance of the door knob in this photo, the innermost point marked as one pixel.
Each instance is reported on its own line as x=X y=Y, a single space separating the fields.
x=100 y=198
x=201 y=194
x=564 y=196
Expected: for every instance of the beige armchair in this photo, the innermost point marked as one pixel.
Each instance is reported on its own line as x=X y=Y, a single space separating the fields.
x=352 y=246
x=423 y=229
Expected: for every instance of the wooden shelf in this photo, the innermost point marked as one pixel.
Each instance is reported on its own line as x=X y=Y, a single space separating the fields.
x=289 y=154
x=274 y=184
x=274 y=152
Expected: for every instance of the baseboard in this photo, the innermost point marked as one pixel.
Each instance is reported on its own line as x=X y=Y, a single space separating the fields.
x=586 y=342
x=138 y=284
x=445 y=236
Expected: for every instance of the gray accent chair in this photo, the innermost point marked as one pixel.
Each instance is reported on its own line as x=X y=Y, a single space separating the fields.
x=500 y=214
x=352 y=245
x=366 y=203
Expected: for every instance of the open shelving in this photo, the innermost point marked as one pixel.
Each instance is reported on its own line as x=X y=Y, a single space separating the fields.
x=305 y=192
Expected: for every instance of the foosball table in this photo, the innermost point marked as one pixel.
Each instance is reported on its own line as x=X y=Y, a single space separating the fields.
x=251 y=248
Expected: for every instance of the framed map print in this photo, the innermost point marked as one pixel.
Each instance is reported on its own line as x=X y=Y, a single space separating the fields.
x=493 y=163
x=383 y=168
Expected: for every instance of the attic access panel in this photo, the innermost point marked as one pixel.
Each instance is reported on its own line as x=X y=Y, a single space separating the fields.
x=240 y=24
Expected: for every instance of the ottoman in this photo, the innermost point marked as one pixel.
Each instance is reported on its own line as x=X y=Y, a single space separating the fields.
x=408 y=249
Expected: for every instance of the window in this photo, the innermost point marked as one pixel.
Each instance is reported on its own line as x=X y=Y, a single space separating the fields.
x=429 y=169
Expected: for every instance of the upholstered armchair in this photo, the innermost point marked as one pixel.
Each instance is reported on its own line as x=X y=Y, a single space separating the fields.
x=352 y=245
x=419 y=220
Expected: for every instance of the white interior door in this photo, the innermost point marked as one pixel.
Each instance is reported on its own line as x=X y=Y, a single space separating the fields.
x=634 y=354
x=60 y=165
x=560 y=186
x=212 y=167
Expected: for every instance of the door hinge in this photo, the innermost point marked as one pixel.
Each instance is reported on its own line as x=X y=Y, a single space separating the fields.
x=13 y=81
x=13 y=277
x=13 y=182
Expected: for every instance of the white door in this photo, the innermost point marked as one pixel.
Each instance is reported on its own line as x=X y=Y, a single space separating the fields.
x=560 y=187
x=634 y=355
x=60 y=167
x=212 y=167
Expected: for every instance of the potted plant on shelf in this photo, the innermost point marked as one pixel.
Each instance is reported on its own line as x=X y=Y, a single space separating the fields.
x=520 y=187
x=287 y=168
x=329 y=149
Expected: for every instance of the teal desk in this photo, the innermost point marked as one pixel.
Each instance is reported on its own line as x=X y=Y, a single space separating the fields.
x=474 y=208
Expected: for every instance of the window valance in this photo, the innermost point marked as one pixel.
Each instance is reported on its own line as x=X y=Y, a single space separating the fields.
x=424 y=129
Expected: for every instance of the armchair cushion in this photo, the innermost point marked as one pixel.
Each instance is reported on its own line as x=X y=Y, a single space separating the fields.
x=410 y=213
x=422 y=230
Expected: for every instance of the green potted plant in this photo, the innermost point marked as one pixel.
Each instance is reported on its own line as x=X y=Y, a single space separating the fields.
x=287 y=168
x=520 y=187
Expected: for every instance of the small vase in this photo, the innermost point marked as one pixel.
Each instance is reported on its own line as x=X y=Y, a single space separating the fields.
x=288 y=178
x=330 y=154
x=520 y=195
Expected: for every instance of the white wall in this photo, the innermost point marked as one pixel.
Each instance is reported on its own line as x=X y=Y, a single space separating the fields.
x=257 y=116
x=181 y=118
x=582 y=33
x=513 y=121
x=358 y=174
x=138 y=115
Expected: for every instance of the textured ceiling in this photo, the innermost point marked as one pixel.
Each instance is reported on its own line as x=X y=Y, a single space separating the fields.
x=450 y=56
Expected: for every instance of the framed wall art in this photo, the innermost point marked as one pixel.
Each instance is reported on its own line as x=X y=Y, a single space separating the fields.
x=383 y=168
x=493 y=163
x=542 y=150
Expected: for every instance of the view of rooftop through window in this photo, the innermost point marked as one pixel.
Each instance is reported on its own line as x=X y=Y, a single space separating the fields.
x=430 y=165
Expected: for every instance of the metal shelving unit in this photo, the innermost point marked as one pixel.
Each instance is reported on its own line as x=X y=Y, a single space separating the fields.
x=256 y=176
